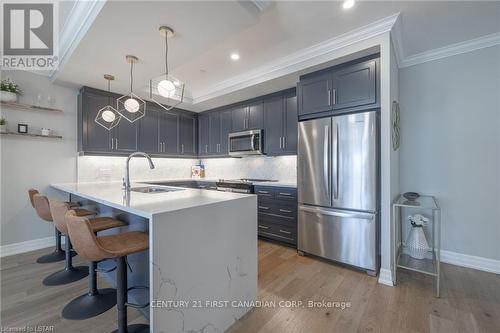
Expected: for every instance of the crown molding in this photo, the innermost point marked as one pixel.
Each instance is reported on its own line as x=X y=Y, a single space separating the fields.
x=451 y=50
x=397 y=41
x=79 y=20
x=307 y=57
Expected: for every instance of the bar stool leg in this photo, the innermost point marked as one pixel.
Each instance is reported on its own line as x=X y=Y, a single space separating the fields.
x=121 y=300
x=93 y=303
x=70 y=273
x=58 y=254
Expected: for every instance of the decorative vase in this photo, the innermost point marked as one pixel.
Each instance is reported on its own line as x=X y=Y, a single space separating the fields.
x=7 y=96
x=417 y=242
x=3 y=128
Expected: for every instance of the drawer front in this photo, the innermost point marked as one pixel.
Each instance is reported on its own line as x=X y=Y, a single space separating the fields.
x=275 y=208
x=264 y=191
x=289 y=194
x=278 y=232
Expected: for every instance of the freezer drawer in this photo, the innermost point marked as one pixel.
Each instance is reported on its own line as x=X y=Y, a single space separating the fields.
x=344 y=236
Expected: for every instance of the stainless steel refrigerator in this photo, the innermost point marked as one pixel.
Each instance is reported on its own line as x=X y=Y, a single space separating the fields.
x=338 y=189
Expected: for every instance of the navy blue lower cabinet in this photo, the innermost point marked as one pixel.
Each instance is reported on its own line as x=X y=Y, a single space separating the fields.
x=277 y=213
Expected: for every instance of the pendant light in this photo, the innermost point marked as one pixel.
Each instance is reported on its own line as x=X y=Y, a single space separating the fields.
x=108 y=117
x=131 y=106
x=166 y=85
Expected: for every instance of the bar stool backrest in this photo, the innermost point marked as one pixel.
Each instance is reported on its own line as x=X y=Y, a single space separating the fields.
x=42 y=208
x=59 y=210
x=84 y=239
x=31 y=193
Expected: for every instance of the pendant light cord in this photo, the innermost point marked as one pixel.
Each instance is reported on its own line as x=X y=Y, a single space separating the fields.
x=166 y=54
x=109 y=88
x=131 y=75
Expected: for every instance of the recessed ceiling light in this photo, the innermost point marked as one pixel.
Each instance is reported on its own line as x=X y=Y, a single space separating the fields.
x=348 y=4
x=235 y=56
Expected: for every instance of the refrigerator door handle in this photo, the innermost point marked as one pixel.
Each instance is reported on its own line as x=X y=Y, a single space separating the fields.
x=326 y=159
x=335 y=166
x=331 y=212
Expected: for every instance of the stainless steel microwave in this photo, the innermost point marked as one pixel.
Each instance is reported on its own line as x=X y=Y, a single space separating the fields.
x=245 y=143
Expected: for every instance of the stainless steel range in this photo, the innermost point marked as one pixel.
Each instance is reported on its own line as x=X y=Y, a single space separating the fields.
x=242 y=185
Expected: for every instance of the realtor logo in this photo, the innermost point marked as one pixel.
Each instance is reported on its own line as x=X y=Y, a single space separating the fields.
x=29 y=36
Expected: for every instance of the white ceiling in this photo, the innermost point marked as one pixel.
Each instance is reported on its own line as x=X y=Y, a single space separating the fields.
x=207 y=32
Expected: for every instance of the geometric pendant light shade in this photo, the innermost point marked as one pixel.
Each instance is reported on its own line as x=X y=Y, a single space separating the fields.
x=131 y=106
x=166 y=85
x=108 y=117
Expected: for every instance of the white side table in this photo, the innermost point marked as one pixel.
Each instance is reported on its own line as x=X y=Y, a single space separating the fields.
x=399 y=231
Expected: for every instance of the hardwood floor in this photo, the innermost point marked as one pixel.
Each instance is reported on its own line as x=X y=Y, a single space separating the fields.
x=470 y=300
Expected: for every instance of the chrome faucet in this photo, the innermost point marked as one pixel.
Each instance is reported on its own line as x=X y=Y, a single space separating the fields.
x=126 y=179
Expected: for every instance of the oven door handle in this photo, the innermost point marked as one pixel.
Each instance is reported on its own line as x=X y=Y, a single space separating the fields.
x=252 y=142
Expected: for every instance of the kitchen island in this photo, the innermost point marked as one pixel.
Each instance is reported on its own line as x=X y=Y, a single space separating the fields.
x=202 y=261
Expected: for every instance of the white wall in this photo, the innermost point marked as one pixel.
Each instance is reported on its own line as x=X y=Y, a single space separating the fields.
x=450 y=145
x=35 y=162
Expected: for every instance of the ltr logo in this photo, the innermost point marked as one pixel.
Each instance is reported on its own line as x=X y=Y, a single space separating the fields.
x=28 y=29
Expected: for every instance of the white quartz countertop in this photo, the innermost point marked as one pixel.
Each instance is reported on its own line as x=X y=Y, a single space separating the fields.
x=146 y=204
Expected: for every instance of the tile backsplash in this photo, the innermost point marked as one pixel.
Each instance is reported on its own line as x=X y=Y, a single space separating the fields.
x=282 y=168
x=111 y=168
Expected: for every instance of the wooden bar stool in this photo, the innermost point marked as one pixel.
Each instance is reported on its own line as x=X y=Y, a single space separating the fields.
x=119 y=246
x=95 y=301
x=43 y=211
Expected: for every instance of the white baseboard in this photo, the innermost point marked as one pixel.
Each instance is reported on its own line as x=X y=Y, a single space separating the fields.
x=27 y=246
x=465 y=260
x=385 y=277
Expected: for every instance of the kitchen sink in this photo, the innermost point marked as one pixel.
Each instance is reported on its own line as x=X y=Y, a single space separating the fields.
x=155 y=189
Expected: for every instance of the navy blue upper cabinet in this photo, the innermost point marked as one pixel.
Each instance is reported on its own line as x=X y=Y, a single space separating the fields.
x=92 y=137
x=255 y=118
x=290 y=124
x=280 y=119
x=343 y=88
x=273 y=130
x=215 y=133
x=203 y=133
x=225 y=127
x=248 y=117
x=315 y=94
x=125 y=136
x=169 y=132
x=149 y=131
x=239 y=118
x=187 y=135
x=355 y=85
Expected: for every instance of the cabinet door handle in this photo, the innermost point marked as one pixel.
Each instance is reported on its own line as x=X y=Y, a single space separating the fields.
x=159 y=147
x=285 y=210
x=116 y=143
x=334 y=96
x=112 y=145
x=286 y=232
x=281 y=138
x=285 y=193
x=263 y=192
x=163 y=144
x=206 y=148
x=284 y=142
x=263 y=207
x=263 y=227
x=329 y=97
x=182 y=148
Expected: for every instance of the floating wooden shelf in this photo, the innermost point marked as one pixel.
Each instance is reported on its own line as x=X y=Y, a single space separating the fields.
x=28 y=107
x=32 y=135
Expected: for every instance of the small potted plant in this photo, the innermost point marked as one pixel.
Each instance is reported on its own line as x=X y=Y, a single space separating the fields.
x=3 y=125
x=9 y=91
